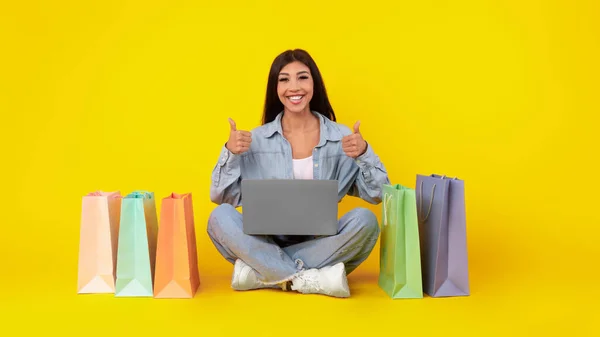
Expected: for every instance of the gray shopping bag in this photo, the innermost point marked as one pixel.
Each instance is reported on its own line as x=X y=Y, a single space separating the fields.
x=442 y=229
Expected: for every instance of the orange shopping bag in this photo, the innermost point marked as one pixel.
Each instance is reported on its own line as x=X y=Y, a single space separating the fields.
x=176 y=254
x=99 y=230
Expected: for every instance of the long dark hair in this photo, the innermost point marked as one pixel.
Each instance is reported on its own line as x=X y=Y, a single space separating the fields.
x=319 y=102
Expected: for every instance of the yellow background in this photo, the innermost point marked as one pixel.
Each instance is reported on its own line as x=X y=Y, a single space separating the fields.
x=125 y=95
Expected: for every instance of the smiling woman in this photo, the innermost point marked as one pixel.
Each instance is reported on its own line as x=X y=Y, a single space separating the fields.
x=299 y=139
x=295 y=73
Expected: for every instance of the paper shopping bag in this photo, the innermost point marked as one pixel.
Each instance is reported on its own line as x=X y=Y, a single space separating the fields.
x=137 y=245
x=99 y=226
x=400 y=257
x=442 y=225
x=176 y=255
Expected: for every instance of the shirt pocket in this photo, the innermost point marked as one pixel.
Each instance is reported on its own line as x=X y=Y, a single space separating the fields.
x=264 y=165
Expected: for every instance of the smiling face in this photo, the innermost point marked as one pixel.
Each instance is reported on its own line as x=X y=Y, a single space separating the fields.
x=295 y=87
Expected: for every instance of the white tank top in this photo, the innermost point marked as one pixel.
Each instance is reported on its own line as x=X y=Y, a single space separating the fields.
x=303 y=168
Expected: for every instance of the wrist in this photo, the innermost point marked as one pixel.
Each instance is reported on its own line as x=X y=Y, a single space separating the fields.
x=228 y=149
x=365 y=148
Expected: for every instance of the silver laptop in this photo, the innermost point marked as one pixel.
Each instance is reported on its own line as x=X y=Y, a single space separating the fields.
x=290 y=207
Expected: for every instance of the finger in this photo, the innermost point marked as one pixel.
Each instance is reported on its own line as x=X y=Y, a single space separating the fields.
x=349 y=149
x=347 y=139
x=232 y=125
x=244 y=136
x=350 y=143
x=243 y=142
x=356 y=126
x=350 y=153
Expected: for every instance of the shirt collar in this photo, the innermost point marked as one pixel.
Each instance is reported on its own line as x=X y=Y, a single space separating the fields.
x=328 y=131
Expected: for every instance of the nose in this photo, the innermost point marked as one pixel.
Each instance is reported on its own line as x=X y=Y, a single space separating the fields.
x=294 y=85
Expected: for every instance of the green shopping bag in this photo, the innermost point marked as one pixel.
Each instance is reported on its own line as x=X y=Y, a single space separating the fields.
x=137 y=245
x=400 y=253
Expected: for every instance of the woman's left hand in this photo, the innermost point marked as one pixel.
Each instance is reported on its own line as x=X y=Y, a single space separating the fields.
x=354 y=145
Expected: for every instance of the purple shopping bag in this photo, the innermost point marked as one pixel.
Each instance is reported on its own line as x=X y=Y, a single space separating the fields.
x=442 y=229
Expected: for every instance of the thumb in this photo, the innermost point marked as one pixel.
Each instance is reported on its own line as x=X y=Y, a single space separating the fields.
x=232 y=124
x=356 y=126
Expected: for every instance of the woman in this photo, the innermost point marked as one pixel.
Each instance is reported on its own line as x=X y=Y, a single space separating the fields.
x=299 y=139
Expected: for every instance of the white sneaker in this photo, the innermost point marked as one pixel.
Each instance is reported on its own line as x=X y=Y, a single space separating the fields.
x=330 y=280
x=244 y=278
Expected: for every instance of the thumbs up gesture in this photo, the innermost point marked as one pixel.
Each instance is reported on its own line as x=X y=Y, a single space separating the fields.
x=354 y=145
x=239 y=141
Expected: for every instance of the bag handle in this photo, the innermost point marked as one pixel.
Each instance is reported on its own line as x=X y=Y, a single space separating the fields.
x=430 y=202
x=444 y=177
x=140 y=195
x=440 y=230
x=387 y=197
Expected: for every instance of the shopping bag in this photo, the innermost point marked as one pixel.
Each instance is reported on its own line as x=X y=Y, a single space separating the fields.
x=99 y=226
x=176 y=273
x=137 y=245
x=442 y=226
x=400 y=257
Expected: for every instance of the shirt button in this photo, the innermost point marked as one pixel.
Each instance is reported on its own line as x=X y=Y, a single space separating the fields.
x=316 y=165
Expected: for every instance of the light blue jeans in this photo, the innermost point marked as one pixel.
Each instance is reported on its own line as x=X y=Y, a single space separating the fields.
x=278 y=259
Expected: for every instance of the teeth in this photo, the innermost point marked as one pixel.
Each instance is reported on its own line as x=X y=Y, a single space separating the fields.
x=296 y=98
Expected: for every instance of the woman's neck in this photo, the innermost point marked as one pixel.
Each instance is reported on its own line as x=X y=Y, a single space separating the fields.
x=299 y=122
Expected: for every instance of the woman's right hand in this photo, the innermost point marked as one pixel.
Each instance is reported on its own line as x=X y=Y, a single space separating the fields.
x=239 y=141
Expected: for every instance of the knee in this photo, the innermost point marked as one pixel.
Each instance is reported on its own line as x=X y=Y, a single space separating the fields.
x=223 y=210
x=364 y=221
x=221 y=219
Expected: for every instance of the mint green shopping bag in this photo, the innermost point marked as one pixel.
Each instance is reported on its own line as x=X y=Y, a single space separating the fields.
x=137 y=245
x=400 y=253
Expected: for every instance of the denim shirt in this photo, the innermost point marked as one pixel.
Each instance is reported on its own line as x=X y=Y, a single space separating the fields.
x=270 y=157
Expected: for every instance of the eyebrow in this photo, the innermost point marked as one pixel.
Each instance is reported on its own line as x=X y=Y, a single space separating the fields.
x=300 y=72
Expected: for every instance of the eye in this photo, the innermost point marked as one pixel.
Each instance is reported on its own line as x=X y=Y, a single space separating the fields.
x=304 y=77
x=283 y=79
